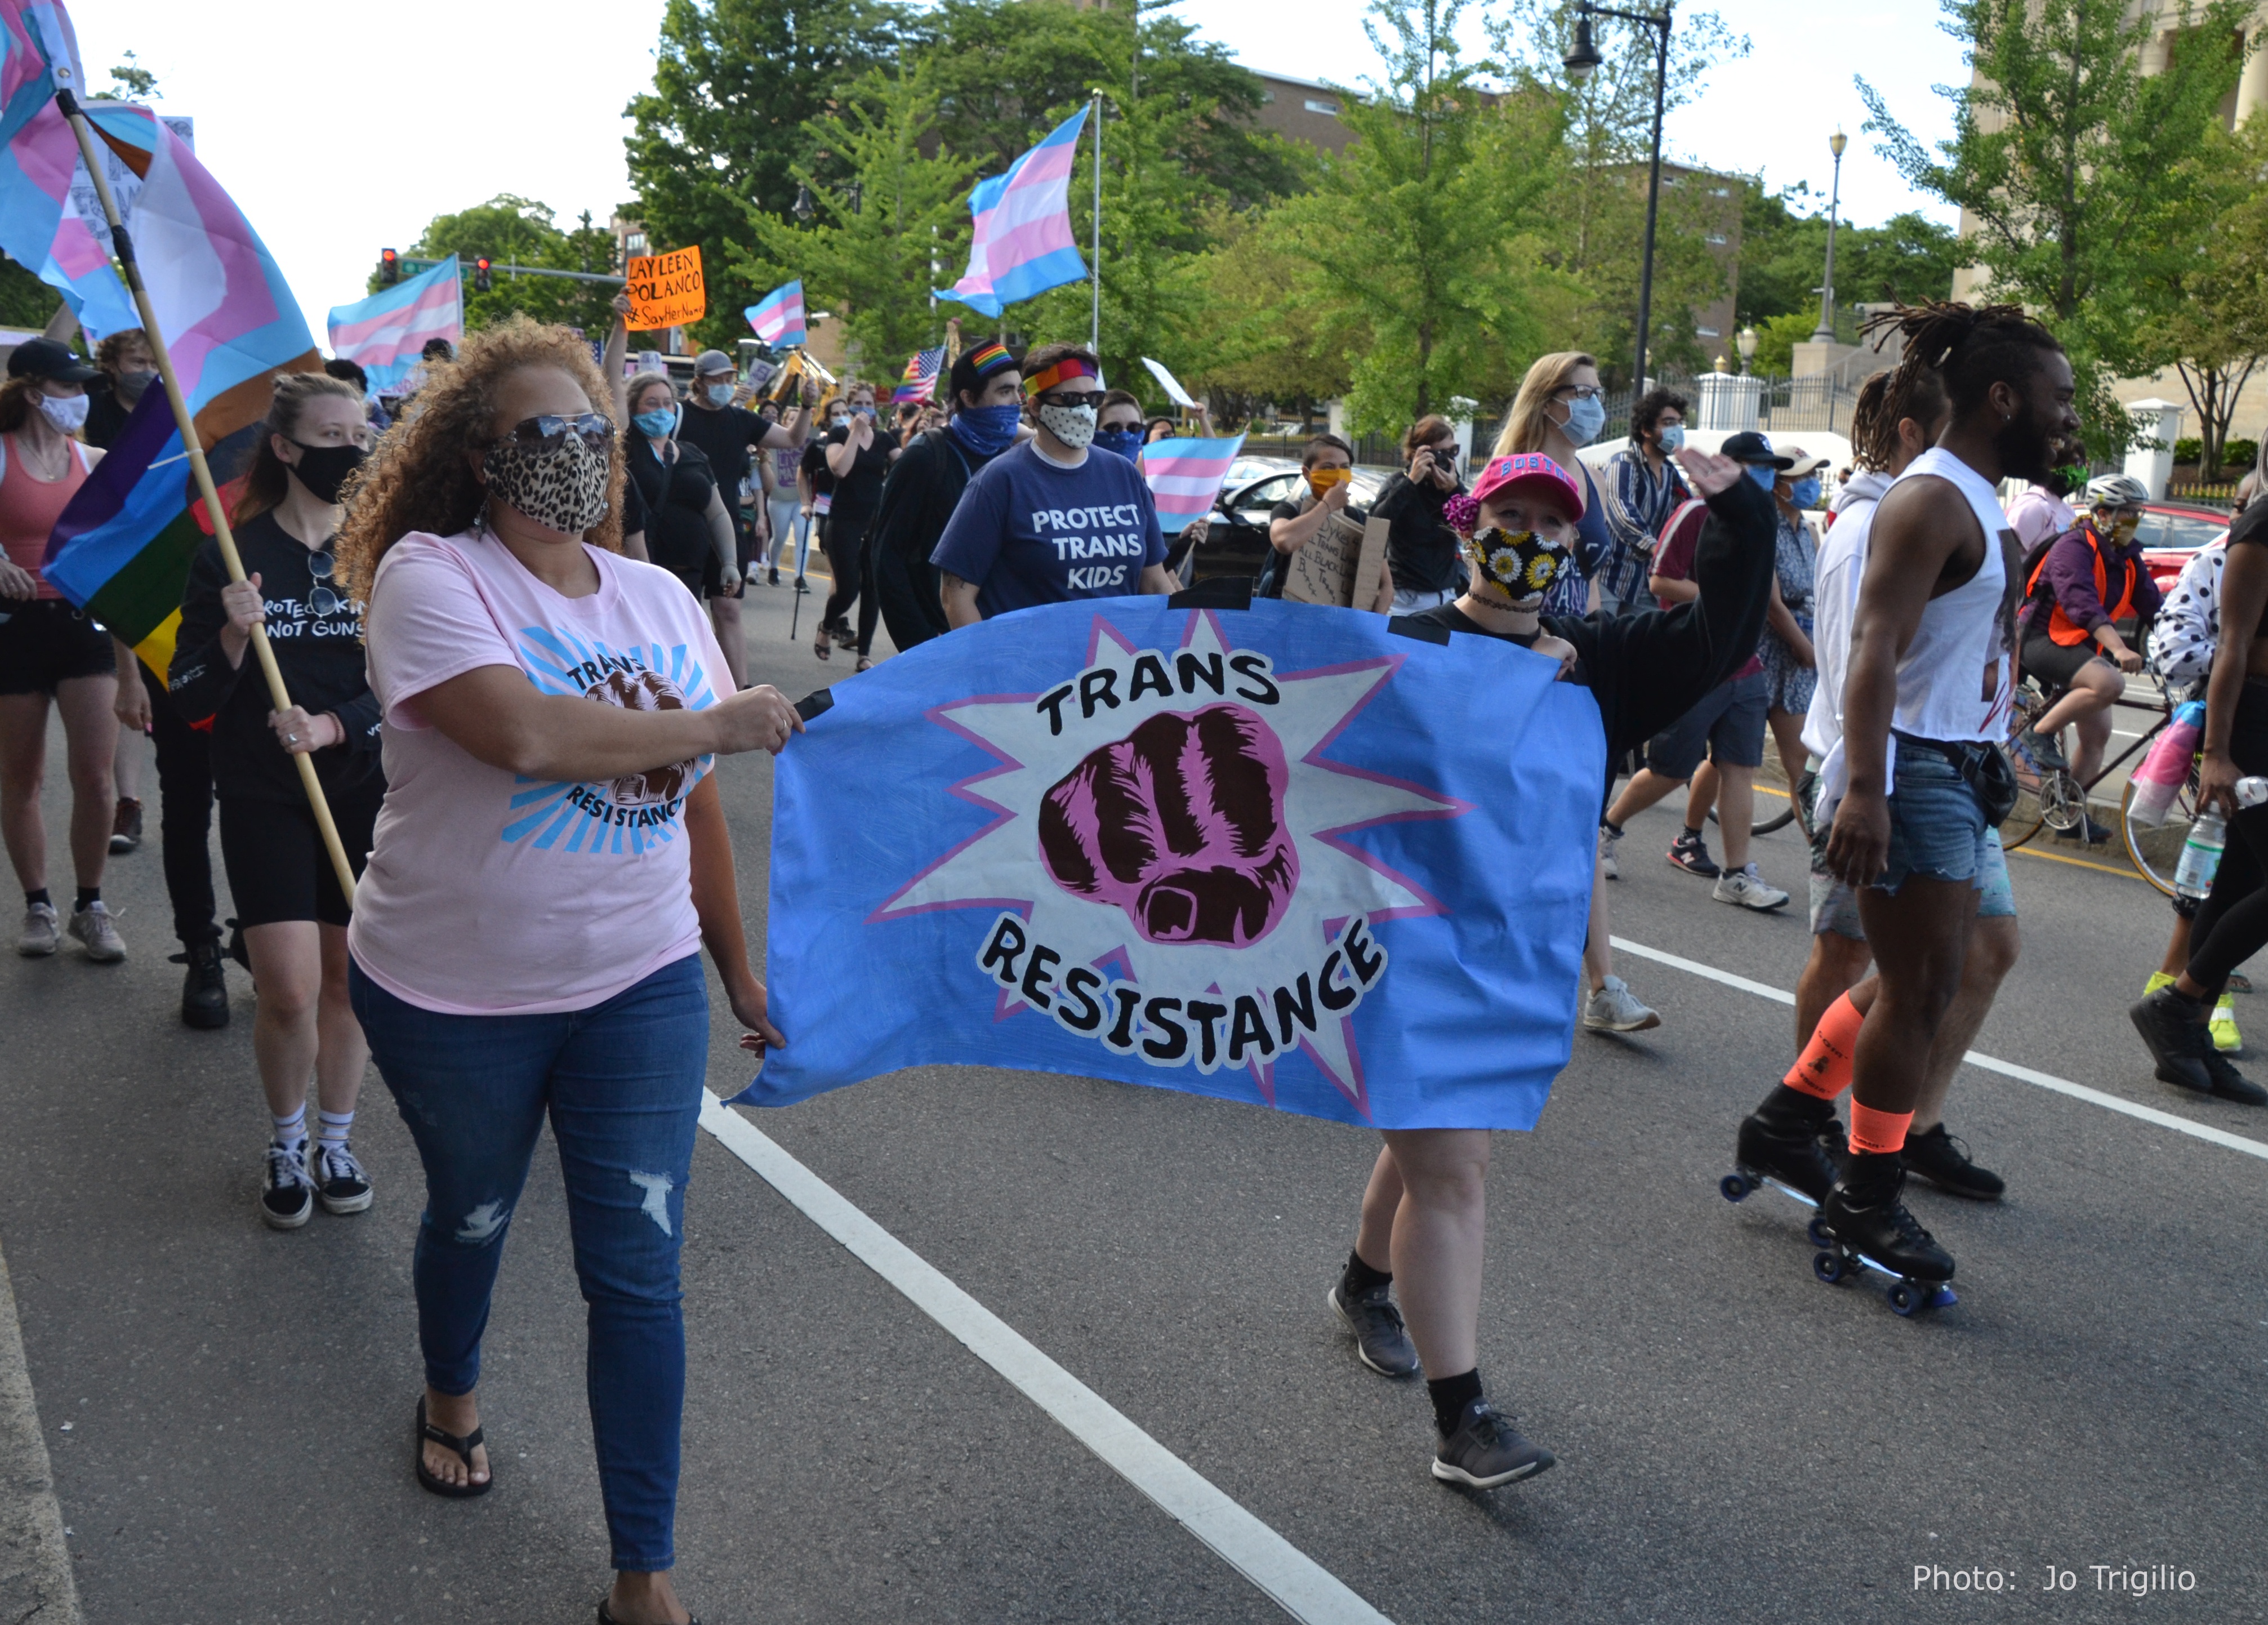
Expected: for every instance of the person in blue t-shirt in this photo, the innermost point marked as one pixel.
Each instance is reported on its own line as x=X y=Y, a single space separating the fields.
x=1051 y=519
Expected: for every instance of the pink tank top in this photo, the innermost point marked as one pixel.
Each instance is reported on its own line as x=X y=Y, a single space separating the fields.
x=30 y=507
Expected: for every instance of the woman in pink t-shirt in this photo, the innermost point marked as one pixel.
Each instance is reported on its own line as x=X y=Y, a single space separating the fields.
x=549 y=859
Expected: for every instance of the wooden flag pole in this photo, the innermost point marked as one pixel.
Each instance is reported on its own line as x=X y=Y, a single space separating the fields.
x=122 y=246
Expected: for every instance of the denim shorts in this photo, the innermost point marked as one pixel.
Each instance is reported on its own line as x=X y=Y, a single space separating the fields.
x=1728 y=718
x=1835 y=906
x=1937 y=824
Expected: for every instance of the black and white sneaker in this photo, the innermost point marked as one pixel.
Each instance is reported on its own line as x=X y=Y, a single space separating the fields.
x=341 y=1184
x=1381 y=1341
x=289 y=1200
x=1689 y=852
x=1486 y=1451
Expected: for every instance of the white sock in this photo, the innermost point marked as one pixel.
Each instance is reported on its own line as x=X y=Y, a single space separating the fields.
x=334 y=1128
x=291 y=1130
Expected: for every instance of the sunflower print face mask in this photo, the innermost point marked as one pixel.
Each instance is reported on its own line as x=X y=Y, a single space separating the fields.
x=1521 y=562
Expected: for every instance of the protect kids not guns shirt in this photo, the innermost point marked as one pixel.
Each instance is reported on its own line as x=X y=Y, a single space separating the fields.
x=1029 y=531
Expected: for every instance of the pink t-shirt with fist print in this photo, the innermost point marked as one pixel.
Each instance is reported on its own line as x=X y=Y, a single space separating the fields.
x=489 y=894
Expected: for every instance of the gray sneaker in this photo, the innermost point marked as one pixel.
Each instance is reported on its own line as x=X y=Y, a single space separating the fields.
x=93 y=926
x=39 y=938
x=1745 y=888
x=1486 y=1451
x=1613 y=1008
x=1379 y=1341
x=1609 y=838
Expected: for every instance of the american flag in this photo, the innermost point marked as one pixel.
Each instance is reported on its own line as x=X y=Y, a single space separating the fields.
x=920 y=380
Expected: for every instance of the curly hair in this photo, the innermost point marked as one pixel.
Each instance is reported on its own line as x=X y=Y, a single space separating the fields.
x=420 y=477
x=110 y=355
x=1886 y=399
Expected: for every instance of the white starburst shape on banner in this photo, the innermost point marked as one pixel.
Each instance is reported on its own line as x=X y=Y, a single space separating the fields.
x=1324 y=802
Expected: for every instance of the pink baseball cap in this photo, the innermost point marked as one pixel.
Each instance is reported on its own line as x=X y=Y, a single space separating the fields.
x=1534 y=472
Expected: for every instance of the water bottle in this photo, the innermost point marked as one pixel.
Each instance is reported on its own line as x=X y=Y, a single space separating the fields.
x=2209 y=837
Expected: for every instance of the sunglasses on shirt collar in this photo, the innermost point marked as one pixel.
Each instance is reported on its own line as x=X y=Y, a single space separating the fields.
x=548 y=430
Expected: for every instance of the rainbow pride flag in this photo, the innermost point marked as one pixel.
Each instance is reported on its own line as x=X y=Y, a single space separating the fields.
x=386 y=335
x=121 y=548
x=1185 y=475
x=1023 y=241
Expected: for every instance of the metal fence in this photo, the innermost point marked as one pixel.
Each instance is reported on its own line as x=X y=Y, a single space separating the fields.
x=1821 y=403
x=2203 y=493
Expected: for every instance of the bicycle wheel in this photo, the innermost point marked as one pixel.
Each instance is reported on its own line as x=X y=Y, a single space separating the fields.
x=2156 y=849
x=2027 y=817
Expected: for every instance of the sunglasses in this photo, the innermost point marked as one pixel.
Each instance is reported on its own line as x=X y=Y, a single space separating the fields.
x=323 y=600
x=1068 y=397
x=549 y=430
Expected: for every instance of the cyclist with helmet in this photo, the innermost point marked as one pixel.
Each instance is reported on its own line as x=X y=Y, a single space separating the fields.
x=2087 y=579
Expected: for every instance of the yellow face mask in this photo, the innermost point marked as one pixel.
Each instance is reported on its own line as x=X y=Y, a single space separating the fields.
x=1320 y=480
x=2123 y=527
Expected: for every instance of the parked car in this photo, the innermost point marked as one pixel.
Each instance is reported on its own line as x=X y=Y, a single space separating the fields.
x=1236 y=544
x=2170 y=534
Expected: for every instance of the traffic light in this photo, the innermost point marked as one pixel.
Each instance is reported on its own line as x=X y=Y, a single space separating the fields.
x=482 y=281
x=389 y=267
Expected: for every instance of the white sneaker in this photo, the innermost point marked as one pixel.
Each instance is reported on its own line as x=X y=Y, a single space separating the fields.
x=92 y=926
x=1609 y=838
x=1613 y=1008
x=1742 y=886
x=39 y=938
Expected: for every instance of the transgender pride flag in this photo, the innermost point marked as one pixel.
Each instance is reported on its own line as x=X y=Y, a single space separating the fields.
x=1185 y=476
x=37 y=152
x=777 y=317
x=1023 y=243
x=386 y=335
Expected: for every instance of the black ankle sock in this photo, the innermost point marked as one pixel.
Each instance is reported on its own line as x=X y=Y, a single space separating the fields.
x=1451 y=1395
x=1872 y=1178
x=32 y=900
x=1360 y=1278
x=1793 y=1105
x=1609 y=825
x=86 y=895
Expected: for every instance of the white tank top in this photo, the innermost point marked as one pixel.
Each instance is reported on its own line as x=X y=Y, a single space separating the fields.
x=1955 y=679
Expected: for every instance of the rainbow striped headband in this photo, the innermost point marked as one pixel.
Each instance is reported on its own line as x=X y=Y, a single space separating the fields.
x=989 y=358
x=1069 y=368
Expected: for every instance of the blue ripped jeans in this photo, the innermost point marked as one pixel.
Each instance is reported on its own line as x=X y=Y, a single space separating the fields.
x=622 y=1083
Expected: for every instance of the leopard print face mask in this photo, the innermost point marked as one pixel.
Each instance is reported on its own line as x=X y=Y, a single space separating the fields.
x=561 y=487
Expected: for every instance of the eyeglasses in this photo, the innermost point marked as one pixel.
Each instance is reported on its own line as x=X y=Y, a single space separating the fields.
x=323 y=600
x=1581 y=392
x=548 y=431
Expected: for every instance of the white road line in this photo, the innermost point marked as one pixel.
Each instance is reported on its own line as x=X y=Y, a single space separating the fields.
x=2006 y=1068
x=1299 y=1585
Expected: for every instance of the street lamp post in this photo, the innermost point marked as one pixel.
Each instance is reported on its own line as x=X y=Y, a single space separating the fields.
x=1826 y=332
x=1579 y=62
x=1745 y=341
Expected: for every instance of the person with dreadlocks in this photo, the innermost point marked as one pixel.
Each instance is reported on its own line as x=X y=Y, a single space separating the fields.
x=1895 y=419
x=1914 y=783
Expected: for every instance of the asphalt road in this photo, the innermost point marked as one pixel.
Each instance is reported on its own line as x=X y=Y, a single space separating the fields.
x=1736 y=1440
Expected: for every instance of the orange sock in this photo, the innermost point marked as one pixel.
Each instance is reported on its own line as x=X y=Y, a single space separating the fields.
x=1824 y=1067
x=1879 y=1133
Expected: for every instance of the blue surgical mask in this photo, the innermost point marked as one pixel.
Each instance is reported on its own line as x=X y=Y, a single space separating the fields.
x=655 y=426
x=720 y=394
x=1671 y=436
x=1126 y=442
x=987 y=430
x=1585 y=416
x=1766 y=477
x=1807 y=492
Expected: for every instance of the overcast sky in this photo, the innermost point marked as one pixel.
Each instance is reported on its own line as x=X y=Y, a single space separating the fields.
x=338 y=142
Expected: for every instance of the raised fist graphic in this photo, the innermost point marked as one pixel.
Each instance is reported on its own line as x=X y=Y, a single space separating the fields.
x=642 y=690
x=1181 y=824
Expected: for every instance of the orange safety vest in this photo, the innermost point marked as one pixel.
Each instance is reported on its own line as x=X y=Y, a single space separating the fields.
x=2062 y=629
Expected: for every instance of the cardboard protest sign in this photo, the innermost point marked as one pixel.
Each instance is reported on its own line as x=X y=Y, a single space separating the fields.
x=666 y=290
x=1339 y=566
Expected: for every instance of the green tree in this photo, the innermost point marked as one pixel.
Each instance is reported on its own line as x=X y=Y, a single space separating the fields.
x=1596 y=208
x=1908 y=258
x=2213 y=328
x=736 y=85
x=2069 y=153
x=874 y=264
x=1422 y=234
x=1251 y=335
x=131 y=81
x=520 y=231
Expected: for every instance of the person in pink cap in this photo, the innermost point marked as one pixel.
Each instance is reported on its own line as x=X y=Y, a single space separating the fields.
x=1425 y=1213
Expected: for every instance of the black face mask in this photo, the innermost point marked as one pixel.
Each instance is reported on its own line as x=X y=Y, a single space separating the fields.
x=323 y=470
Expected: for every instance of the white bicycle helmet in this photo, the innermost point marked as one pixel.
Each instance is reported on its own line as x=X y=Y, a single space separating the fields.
x=2117 y=491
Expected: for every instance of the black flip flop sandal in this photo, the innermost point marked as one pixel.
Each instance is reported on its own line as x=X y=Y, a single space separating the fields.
x=463 y=1448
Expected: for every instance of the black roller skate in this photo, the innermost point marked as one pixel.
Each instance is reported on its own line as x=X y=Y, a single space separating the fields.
x=1884 y=1236
x=1786 y=1153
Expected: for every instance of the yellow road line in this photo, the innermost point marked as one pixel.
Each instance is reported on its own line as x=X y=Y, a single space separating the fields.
x=2079 y=863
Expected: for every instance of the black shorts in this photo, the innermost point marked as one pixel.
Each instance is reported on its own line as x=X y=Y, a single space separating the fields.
x=2057 y=665
x=47 y=641
x=277 y=868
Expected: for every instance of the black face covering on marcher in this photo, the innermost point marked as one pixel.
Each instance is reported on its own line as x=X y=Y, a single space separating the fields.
x=323 y=470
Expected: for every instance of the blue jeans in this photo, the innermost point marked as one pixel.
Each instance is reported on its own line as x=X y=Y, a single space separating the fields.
x=622 y=1083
